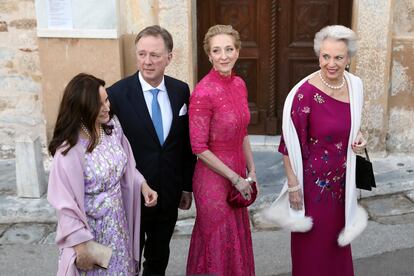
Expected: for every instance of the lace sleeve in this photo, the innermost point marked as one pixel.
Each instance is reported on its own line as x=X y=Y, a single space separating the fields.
x=200 y=113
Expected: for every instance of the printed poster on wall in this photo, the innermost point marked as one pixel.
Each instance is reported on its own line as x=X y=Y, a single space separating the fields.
x=59 y=14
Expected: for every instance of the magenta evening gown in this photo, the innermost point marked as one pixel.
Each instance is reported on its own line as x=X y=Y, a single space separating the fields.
x=221 y=243
x=323 y=125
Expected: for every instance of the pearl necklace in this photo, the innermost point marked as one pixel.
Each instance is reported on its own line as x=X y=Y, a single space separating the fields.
x=332 y=86
x=86 y=131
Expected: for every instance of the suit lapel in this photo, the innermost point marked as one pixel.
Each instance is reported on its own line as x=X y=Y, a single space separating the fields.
x=138 y=104
x=174 y=102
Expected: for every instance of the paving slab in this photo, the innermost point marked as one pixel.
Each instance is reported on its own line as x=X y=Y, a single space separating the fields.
x=50 y=238
x=7 y=176
x=185 y=214
x=393 y=162
x=15 y=210
x=410 y=195
x=3 y=228
x=184 y=227
x=22 y=233
x=394 y=220
x=270 y=171
x=389 y=205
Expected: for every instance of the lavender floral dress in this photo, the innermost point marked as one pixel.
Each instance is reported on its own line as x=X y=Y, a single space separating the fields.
x=104 y=167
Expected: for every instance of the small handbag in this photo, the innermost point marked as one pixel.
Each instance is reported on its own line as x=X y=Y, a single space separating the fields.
x=364 y=177
x=100 y=253
x=235 y=198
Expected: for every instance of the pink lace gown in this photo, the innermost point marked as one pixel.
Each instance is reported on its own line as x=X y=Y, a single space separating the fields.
x=221 y=242
x=323 y=125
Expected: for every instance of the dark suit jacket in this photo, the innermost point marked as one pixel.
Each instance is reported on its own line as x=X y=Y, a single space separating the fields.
x=169 y=168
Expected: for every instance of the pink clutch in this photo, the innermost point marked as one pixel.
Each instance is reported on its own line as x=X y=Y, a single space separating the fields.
x=235 y=198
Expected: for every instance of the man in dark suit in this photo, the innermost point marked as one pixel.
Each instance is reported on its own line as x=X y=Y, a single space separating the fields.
x=152 y=109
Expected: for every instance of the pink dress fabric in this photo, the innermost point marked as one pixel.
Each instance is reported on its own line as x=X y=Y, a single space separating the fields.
x=221 y=242
x=323 y=126
x=66 y=193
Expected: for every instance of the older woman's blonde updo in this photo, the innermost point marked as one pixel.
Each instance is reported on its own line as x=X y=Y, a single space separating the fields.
x=336 y=32
x=221 y=29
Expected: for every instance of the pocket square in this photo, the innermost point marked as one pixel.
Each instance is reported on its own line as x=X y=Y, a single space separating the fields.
x=183 y=110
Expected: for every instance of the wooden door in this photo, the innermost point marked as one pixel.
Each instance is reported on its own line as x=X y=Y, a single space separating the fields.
x=277 y=47
x=298 y=21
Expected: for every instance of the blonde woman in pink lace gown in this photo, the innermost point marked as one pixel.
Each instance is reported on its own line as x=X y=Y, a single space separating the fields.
x=221 y=242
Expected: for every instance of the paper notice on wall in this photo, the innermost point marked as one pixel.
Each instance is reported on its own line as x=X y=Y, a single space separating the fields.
x=59 y=13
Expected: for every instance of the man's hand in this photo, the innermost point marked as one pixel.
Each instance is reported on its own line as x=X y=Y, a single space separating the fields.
x=186 y=199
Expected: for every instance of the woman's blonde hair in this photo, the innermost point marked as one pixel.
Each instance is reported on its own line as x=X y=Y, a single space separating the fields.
x=221 y=29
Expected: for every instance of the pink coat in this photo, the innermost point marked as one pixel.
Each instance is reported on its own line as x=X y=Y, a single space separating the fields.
x=66 y=194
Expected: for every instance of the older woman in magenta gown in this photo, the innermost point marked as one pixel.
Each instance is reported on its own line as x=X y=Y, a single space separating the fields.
x=221 y=241
x=325 y=110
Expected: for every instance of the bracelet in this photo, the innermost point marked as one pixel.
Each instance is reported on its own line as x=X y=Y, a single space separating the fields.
x=250 y=180
x=237 y=181
x=293 y=189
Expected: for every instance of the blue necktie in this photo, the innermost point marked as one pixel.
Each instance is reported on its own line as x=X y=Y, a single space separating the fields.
x=156 y=115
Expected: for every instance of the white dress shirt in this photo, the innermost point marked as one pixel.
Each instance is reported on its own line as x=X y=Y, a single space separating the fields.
x=163 y=100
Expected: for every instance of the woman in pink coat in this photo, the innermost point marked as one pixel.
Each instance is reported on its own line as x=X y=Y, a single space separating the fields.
x=94 y=184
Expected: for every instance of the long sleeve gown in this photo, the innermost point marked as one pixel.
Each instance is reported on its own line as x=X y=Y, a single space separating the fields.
x=221 y=242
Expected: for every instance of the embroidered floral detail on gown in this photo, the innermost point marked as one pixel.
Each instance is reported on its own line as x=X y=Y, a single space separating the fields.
x=104 y=167
x=323 y=125
x=221 y=241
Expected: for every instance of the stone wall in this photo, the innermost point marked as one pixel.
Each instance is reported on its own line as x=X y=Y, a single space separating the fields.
x=63 y=58
x=178 y=17
x=384 y=62
x=20 y=75
x=400 y=136
x=373 y=25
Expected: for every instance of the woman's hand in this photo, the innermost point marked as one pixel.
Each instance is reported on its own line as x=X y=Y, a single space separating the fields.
x=252 y=175
x=295 y=200
x=243 y=186
x=150 y=196
x=359 y=143
x=84 y=260
x=295 y=197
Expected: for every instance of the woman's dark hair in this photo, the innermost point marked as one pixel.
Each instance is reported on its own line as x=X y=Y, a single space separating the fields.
x=80 y=103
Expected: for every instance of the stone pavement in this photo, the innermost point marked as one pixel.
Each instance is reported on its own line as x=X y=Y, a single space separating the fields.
x=390 y=207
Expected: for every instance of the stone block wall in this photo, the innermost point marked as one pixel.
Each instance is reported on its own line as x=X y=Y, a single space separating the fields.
x=178 y=17
x=63 y=58
x=20 y=75
x=400 y=136
x=30 y=95
x=373 y=25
